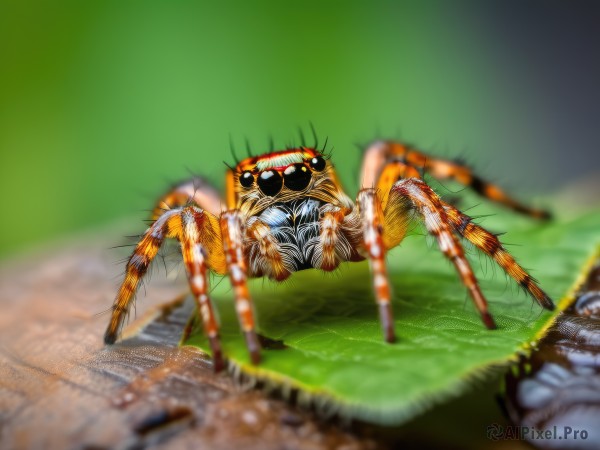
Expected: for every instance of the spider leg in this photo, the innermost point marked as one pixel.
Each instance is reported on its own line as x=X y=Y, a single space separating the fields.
x=196 y=230
x=232 y=232
x=414 y=194
x=371 y=213
x=137 y=266
x=266 y=254
x=193 y=191
x=491 y=245
x=382 y=152
x=194 y=257
x=397 y=219
x=391 y=173
x=340 y=235
x=325 y=255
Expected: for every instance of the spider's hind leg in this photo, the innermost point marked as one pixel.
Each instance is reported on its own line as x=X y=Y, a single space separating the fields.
x=383 y=152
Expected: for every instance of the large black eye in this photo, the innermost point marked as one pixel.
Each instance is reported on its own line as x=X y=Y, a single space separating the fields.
x=317 y=163
x=246 y=179
x=296 y=177
x=270 y=182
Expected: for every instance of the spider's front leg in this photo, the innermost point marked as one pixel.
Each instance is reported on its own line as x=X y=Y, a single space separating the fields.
x=369 y=205
x=232 y=230
x=198 y=233
x=377 y=237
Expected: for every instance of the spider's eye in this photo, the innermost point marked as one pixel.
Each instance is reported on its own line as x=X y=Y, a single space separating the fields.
x=246 y=179
x=296 y=177
x=317 y=163
x=270 y=182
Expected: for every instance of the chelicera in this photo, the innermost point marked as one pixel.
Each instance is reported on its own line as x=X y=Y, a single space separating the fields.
x=286 y=211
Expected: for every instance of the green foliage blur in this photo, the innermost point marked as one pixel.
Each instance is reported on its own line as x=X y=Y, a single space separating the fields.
x=102 y=104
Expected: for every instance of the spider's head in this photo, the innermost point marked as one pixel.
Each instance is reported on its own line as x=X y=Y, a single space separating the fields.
x=271 y=173
x=283 y=176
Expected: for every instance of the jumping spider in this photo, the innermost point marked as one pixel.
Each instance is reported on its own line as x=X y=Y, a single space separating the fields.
x=286 y=211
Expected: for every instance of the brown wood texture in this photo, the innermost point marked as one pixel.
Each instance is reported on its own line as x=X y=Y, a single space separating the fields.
x=60 y=387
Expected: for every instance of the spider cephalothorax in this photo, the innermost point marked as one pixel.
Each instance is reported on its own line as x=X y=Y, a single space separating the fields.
x=282 y=177
x=286 y=211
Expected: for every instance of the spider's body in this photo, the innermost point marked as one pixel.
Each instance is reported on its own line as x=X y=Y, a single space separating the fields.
x=300 y=190
x=286 y=211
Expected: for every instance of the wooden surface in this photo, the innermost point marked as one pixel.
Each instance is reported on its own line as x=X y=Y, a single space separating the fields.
x=60 y=387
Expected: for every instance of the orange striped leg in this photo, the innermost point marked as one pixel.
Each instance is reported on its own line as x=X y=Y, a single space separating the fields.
x=195 y=263
x=491 y=245
x=326 y=255
x=382 y=152
x=391 y=173
x=232 y=231
x=136 y=268
x=372 y=223
x=428 y=204
x=195 y=191
x=201 y=228
x=446 y=169
x=265 y=252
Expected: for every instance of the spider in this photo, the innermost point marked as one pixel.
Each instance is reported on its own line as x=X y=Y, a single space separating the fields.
x=286 y=211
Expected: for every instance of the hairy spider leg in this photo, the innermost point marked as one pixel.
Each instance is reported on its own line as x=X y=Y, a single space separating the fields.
x=195 y=229
x=232 y=232
x=265 y=251
x=196 y=191
x=382 y=152
x=326 y=255
x=462 y=224
x=491 y=246
x=391 y=173
x=372 y=224
x=413 y=193
x=137 y=266
x=194 y=257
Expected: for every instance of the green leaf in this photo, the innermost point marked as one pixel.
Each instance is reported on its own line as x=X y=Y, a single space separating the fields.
x=334 y=353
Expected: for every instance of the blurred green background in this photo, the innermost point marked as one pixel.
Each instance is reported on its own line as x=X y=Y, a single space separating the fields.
x=103 y=103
